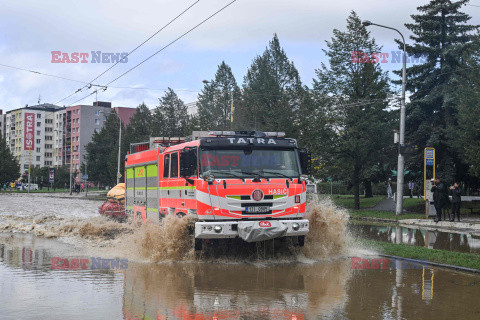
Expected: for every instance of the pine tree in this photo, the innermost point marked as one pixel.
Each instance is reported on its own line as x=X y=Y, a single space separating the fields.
x=9 y=166
x=442 y=33
x=466 y=137
x=216 y=99
x=351 y=103
x=141 y=125
x=272 y=92
x=173 y=114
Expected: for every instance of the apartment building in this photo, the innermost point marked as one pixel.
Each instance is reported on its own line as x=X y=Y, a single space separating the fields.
x=61 y=133
x=44 y=141
x=2 y=123
x=80 y=123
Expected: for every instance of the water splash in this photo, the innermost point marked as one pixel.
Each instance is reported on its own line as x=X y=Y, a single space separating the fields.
x=171 y=240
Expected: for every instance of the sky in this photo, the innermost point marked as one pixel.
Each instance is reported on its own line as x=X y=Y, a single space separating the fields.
x=30 y=30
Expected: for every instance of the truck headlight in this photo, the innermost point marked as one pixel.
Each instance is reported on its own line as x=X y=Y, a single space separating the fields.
x=217 y=229
x=295 y=226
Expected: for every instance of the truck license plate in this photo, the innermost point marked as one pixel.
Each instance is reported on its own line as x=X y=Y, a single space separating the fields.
x=262 y=209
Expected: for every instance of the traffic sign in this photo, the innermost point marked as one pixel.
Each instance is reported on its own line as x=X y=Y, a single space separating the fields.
x=429 y=162
x=119 y=175
x=429 y=154
x=85 y=176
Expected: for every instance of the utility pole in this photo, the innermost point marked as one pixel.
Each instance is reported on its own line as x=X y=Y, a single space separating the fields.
x=119 y=148
x=401 y=158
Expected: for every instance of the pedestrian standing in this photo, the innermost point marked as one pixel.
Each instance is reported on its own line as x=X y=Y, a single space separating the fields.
x=411 y=186
x=439 y=197
x=389 y=187
x=456 y=193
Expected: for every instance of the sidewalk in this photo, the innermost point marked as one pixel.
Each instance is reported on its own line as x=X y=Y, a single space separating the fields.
x=387 y=204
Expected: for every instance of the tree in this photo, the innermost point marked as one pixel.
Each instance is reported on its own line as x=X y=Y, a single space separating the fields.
x=9 y=166
x=467 y=136
x=102 y=152
x=272 y=93
x=351 y=101
x=215 y=101
x=442 y=33
x=141 y=125
x=172 y=116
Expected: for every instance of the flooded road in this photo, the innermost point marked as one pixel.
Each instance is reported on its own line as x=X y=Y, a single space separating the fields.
x=75 y=274
x=451 y=241
x=29 y=285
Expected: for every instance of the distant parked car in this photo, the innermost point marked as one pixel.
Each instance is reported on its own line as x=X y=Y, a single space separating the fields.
x=33 y=186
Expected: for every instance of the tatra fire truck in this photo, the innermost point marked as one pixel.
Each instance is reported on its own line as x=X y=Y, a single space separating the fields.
x=245 y=184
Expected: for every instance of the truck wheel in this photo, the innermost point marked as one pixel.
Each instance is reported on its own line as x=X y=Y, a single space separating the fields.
x=198 y=244
x=301 y=241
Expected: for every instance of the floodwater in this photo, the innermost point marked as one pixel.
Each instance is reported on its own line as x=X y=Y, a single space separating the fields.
x=41 y=277
x=433 y=239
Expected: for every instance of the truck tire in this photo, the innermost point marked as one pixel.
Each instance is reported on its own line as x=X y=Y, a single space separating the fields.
x=301 y=241
x=198 y=244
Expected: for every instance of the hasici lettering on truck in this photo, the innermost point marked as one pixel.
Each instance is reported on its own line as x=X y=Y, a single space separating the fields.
x=246 y=184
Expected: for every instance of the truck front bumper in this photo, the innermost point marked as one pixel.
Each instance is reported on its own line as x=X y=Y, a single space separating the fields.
x=229 y=229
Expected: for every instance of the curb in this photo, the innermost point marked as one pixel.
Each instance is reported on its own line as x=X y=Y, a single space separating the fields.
x=435 y=264
x=374 y=219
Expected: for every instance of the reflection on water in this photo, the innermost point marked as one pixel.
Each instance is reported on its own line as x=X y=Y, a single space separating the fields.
x=462 y=242
x=29 y=288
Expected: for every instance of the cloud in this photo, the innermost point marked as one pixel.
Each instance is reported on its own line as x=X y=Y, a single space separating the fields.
x=31 y=29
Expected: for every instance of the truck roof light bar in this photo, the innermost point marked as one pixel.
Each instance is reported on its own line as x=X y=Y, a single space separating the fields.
x=278 y=134
x=246 y=133
x=222 y=133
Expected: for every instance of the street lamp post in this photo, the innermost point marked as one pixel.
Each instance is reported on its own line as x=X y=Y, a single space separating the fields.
x=401 y=158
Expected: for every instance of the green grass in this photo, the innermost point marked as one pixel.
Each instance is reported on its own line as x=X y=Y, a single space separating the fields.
x=414 y=205
x=468 y=260
x=384 y=215
x=348 y=201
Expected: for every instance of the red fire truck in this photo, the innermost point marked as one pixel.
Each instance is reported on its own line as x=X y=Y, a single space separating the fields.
x=246 y=184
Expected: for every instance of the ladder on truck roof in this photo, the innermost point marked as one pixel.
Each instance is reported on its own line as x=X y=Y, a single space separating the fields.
x=156 y=142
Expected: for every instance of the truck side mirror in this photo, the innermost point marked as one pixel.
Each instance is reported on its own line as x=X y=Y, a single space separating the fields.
x=188 y=162
x=305 y=161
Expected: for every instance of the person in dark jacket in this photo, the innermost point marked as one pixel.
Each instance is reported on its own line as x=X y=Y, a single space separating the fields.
x=440 y=197
x=456 y=193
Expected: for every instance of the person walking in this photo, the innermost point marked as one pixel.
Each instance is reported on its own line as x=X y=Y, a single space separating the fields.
x=439 y=197
x=389 y=188
x=456 y=193
x=411 y=186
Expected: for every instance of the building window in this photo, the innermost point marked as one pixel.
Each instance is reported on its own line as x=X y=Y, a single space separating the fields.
x=39 y=115
x=97 y=112
x=39 y=124
x=38 y=149
x=38 y=132
x=38 y=158
x=39 y=141
x=97 y=122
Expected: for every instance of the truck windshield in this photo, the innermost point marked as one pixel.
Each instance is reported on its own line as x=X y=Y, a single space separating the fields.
x=228 y=163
